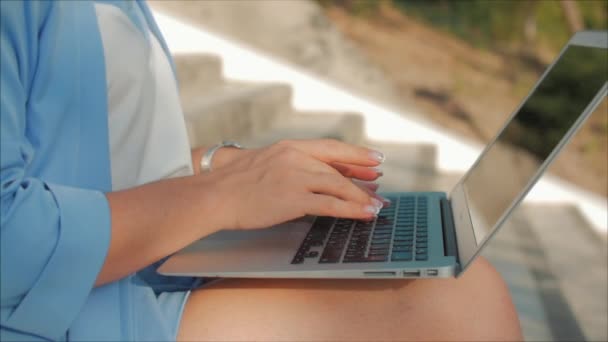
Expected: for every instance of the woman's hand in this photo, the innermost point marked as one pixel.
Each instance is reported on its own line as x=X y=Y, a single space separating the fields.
x=254 y=189
x=262 y=187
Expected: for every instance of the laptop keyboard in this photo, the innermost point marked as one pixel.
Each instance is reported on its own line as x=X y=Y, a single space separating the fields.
x=399 y=233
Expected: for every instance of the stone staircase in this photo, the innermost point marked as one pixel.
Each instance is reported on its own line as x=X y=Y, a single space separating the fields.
x=552 y=260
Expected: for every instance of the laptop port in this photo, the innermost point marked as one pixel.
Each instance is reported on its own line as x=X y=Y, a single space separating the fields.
x=380 y=274
x=432 y=273
x=411 y=274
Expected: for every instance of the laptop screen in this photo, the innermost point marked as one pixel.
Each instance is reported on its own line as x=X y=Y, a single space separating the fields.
x=510 y=163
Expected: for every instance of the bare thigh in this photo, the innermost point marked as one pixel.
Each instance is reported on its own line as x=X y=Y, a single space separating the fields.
x=476 y=306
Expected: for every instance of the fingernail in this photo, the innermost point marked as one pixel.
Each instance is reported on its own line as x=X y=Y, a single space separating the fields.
x=385 y=201
x=377 y=203
x=373 y=186
x=371 y=209
x=377 y=156
x=378 y=171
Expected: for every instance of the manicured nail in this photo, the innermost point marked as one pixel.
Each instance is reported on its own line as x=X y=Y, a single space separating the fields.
x=372 y=210
x=377 y=156
x=385 y=201
x=377 y=203
x=373 y=186
x=378 y=170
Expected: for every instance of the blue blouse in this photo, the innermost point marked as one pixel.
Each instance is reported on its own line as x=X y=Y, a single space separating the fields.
x=55 y=168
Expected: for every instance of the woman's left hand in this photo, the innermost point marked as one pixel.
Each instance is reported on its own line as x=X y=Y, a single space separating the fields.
x=225 y=156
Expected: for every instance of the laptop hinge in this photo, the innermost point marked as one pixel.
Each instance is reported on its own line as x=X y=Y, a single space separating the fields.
x=450 y=247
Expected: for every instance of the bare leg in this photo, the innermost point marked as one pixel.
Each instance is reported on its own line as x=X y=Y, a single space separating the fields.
x=477 y=306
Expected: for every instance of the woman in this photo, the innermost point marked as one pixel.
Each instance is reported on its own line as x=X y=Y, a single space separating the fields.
x=98 y=184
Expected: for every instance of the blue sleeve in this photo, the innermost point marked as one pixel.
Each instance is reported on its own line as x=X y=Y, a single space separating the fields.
x=53 y=238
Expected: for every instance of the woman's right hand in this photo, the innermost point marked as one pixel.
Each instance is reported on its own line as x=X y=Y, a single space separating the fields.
x=290 y=179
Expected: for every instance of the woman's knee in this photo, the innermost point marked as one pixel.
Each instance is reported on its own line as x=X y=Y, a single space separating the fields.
x=475 y=306
x=482 y=270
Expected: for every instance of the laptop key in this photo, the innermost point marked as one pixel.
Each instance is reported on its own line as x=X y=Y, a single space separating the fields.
x=401 y=256
x=401 y=235
x=331 y=257
x=311 y=254
x=399 y=243
x=374 y=258
x=315 y=237
x=379 y=246
x=378 y=251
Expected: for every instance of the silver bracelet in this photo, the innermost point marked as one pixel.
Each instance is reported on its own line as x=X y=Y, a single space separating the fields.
x=208 y=156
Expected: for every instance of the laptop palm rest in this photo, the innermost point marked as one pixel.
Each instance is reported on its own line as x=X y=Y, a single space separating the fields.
x=240 y=251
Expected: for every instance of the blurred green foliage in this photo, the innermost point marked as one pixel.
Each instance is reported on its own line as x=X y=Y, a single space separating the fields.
x=558 y=101
x=492 y=24
x=355 y=7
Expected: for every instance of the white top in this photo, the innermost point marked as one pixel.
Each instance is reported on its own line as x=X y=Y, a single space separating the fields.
x=147 y=132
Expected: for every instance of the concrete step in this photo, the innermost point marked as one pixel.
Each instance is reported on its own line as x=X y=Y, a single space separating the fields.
x=407 y=167
x=234 y=111
x=571 y=257
x=510 y=252
x=197 y=73
x=445 y=181
x=421 y=157
x=312 y=125
x=556 y=269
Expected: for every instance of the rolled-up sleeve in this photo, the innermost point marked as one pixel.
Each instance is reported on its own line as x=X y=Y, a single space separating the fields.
x=54 y=238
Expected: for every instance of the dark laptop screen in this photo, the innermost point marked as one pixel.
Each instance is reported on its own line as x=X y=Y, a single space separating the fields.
x=506 y=168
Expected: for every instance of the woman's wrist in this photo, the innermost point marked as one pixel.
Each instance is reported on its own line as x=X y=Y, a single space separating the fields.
x=217 y=197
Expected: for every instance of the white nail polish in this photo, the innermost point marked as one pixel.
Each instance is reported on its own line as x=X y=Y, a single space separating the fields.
x=378 y=204
x=372 y=209
x=377 y=156
x=377 y=170
x=385 y=200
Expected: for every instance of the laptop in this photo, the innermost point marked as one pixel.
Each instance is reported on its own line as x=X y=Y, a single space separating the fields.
x=423 y=234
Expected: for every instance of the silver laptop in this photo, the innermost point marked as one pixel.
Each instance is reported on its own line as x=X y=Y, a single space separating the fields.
x=423 y=234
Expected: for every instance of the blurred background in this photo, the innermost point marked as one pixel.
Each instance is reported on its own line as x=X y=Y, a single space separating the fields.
x=497 y=51
x=429 y=83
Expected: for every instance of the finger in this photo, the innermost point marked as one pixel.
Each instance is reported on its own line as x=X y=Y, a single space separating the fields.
x=337 y=186
x=324 y=205
x=361 y=174
x=334 y=151
x=370 y=189
x=357 y=172
x=296 y=159
x=367 y=185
